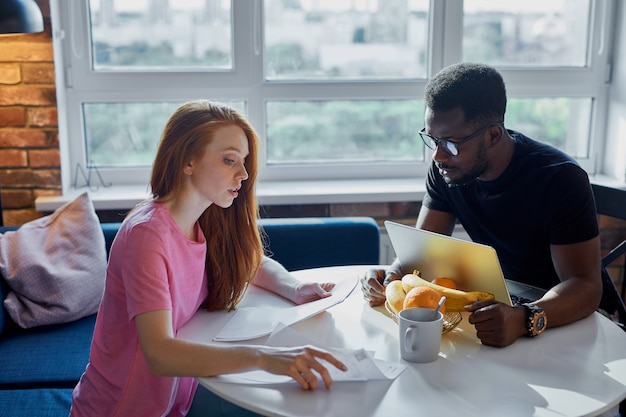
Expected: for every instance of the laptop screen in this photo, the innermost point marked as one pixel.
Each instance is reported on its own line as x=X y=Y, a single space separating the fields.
x=474 y=267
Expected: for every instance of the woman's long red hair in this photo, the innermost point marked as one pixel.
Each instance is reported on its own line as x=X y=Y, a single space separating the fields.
x=234 y=248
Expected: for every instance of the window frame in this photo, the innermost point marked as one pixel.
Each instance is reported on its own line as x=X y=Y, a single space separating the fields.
x=76 y=84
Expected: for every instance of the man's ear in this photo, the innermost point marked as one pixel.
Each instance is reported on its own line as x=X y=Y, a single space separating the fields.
x=496 y=133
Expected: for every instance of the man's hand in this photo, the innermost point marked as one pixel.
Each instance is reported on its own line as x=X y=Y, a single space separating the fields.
x=374 y=281
x=372 y=286
x=496 y=323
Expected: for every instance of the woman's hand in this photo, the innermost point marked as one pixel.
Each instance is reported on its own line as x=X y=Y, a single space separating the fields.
x=300 y=363
x=311 y=291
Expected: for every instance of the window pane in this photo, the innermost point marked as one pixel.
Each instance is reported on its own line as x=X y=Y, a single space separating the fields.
x=160 y=34
x=126 y=134
x=345 y=39
x=530 y=32
x=562 y=122
x=344 y=131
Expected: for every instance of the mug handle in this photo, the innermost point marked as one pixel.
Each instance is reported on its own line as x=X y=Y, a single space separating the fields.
x=408 y=346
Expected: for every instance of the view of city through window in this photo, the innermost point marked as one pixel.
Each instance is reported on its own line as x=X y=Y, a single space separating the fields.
x=308 y=41
x=158 y=34
x=346 y=39
x=335 y=39
x=526 y=33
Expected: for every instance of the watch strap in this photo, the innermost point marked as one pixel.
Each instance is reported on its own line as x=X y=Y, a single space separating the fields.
x=533 y=313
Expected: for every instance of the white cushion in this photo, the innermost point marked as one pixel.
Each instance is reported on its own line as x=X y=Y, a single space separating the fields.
x=55 y=266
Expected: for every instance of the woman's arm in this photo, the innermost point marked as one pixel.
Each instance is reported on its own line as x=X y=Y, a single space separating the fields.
x=273 y=277
x=168 y=356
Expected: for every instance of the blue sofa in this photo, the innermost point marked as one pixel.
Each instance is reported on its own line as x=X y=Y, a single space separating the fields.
x=40 y=366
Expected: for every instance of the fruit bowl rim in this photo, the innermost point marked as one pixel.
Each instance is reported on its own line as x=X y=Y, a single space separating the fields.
x=450 y=320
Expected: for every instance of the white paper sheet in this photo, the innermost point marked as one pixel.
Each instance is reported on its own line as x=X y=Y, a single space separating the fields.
x=252 y=322
x=361 y=364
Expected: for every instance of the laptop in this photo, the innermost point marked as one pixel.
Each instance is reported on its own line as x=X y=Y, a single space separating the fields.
x=473 y=266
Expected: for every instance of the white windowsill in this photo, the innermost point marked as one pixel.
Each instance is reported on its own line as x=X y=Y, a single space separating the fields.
x=268 y=193
x=281 y=193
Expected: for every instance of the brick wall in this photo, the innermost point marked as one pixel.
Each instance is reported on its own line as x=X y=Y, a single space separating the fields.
x=29 y=146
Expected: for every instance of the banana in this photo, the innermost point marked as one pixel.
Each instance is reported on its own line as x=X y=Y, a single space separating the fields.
x=455 y=299
x=395 y=295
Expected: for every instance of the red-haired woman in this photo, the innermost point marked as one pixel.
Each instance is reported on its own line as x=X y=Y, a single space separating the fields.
x=194 y=244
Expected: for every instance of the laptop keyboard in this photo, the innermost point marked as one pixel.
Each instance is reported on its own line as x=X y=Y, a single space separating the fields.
x=518 y=300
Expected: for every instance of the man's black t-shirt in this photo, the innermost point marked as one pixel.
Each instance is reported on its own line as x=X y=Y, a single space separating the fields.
x=543 y=198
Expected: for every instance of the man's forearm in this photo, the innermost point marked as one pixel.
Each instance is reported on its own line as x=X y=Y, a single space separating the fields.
x=570 y=301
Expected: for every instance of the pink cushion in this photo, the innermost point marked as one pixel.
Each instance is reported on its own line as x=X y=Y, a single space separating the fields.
x=55 y=266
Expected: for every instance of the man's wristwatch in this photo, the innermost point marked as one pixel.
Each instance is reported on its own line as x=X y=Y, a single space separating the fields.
x=536 y=320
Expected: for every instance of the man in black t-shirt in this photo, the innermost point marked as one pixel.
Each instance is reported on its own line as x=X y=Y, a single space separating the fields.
x=528 y=200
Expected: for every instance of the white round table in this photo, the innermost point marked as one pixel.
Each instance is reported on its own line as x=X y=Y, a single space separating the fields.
x=574 y=370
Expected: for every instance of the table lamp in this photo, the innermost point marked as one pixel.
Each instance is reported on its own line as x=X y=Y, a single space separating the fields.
x=20 y=16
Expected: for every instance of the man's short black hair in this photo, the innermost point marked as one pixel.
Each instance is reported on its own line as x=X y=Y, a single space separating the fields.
x=477 y=88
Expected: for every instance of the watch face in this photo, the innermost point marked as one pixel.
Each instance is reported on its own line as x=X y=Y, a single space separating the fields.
x=541 y=323
x=535 y=320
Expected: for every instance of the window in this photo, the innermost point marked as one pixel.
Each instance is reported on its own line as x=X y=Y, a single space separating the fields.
x=160 y=35
x=334 y=87
x=527 y=34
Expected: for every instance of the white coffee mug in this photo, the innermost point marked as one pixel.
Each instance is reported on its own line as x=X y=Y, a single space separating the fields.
x=420 y=334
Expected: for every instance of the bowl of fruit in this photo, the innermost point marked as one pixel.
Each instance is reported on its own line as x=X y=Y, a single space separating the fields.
x=414 y=291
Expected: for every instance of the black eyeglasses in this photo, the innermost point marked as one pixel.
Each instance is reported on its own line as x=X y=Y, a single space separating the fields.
x=449 y=147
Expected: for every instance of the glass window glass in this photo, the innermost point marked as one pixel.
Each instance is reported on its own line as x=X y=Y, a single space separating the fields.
x=562 y=122
x=532 y=32
x=160 y=34
x=344 y=131
x=345 y=39
x=335 y=95
x=127 y=134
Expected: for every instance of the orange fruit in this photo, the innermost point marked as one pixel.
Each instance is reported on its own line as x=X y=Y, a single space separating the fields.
x=445 y=282
x=423 y=297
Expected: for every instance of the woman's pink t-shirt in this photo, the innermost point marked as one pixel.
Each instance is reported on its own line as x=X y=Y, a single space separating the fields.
x=152 y=266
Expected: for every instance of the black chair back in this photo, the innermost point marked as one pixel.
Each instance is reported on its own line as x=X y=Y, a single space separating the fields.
x=612 y=202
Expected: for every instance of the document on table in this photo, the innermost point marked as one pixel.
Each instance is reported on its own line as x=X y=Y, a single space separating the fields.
x=361 y=364
x=252 y=322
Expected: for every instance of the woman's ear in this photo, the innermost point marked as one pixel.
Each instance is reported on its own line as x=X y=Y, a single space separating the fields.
x=188 y=168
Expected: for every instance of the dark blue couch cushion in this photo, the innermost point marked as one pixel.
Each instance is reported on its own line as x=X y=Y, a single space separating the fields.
x=34 y=361
x=51 y=356
x=301 y=243
x=109 y=230
x=35 y=402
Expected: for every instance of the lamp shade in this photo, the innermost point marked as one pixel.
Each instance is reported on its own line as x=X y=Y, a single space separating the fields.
x=20 y=16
